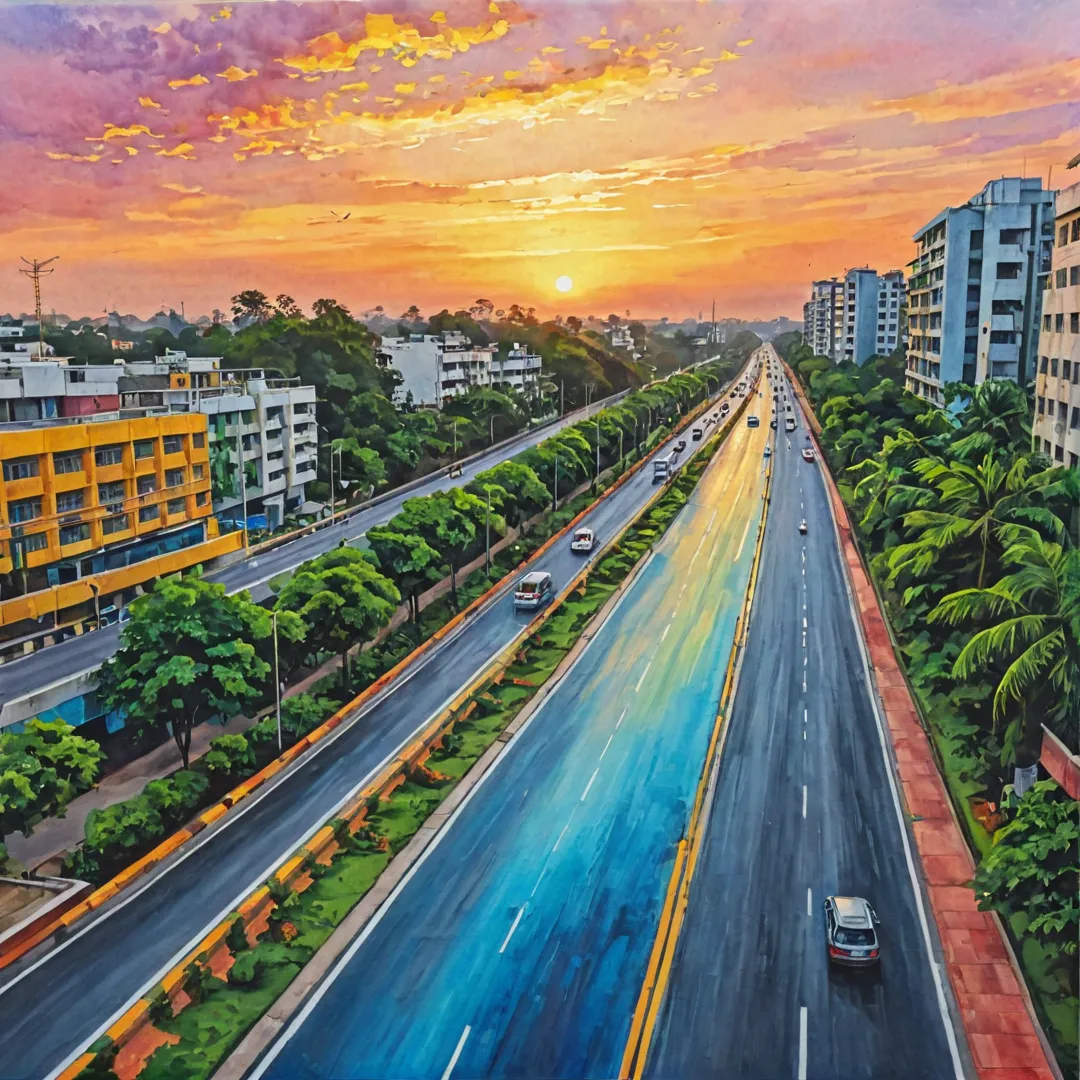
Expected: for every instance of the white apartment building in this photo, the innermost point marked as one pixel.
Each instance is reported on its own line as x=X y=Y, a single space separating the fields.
x=273 y=419
x=1056 y=430
x=518 y=370
x=975 y=289
x=819 y=317
x=435 y=367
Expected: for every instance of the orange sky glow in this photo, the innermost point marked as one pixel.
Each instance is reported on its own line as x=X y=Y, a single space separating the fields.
x=660 y=154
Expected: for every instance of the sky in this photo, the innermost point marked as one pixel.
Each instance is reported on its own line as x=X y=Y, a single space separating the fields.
x=659 y=154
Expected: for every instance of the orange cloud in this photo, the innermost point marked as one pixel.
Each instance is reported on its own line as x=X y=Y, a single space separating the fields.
x=181 y=151
x=236 y=74
x=112 y=131
x=149 y=103
x=195 y=80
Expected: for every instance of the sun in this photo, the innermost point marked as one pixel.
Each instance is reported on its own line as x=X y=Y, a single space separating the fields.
x=564 y=283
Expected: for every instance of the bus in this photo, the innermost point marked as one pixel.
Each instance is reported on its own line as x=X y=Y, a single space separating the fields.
x=663 y=467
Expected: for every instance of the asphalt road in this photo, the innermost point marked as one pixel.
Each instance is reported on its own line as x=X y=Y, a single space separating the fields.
x=137 y=936
x=88 y=651
x=518 y=946
x=752 y=952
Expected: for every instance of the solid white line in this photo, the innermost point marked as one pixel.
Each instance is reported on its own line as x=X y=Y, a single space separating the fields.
x=643 y=674
x=810 y=902
x=606 y=745
x=618 y=722
x=665 y=633
x=742 y=541
x=457 y=1053
x=590 y=783
x=802 y=1044
x=561 y=835
x=513 y=927
x=804 y=800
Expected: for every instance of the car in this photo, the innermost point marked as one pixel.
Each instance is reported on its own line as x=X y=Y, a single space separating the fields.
x=696 y=434
x=583 y=540
x=768 y=451
x=802 y=526
x=533 y=590
x=807 y=454
x=772 y=423
x=725 y=408
x=680 y=446
x=850 y=931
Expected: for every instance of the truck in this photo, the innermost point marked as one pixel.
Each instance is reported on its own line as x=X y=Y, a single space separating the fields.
x=663 y=467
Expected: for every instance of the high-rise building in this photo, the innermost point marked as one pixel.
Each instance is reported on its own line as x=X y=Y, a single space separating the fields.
x=1057 y=386
x=857 y=317
x=819 y=317
x=975 y=289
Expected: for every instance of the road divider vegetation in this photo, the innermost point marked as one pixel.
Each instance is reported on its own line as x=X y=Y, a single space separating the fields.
x=189 y=1022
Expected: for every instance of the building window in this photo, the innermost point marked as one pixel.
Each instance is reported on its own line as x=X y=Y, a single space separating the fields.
x=1066 y=369
x=1046 y=446
x=146 y=484
x=1063 y=235
x=144 y=448
x=1059 y=278
x=1074 y=322
x=111 y=493
x=1059 y=323
x=1059 y=452
x=1074 y=421
x=70 y=462
x=1073 y=460
x=1008 y=271
x=198 y=440
x=20 y=468
x=118 y=523
x=200 y=498
x=34 y=542
x=68 y=501
x=1076 y=229
x=108 y=455
x=177 y=506
x=1041 y=406
x=149 y=513
x=174 y=477
x=1046 y=323
x=1074 y=272
x=1011 y=236
x=1053 y=367
x=172 y=444
x=74 y=534
x=198 y=471
x=24 y=510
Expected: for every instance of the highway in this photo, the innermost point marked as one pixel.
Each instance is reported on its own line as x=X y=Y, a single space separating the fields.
x=803 y=809
x=128 y=945
x=516 y=947
x=80 y=654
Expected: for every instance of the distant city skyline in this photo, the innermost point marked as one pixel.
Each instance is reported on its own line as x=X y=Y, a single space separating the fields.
x=657 y=155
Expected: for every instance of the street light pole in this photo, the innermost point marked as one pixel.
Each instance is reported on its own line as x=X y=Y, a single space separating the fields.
x=243 y=477
x=333 y=490
x=556 y=481
x=277 y=680
x=487 y=528
x=562 y=398
x=598 y=449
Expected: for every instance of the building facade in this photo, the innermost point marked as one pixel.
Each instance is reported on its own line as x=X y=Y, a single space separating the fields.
x=1056 y=429
x=975 y=288
x=518 y=370
x=820 y=317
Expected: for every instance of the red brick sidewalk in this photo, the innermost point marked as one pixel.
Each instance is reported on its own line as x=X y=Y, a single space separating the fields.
x=994 y=1005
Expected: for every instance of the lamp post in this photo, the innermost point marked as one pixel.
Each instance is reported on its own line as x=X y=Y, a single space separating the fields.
x=277 y=680
x=598 y=449
x=556 y=481
x=487 y=528
x=621 y=462
x=243 y=476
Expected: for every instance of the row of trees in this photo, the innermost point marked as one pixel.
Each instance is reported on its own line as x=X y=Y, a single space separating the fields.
x=972 y=539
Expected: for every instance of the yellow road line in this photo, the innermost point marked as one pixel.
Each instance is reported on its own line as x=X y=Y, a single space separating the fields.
x=658 y=972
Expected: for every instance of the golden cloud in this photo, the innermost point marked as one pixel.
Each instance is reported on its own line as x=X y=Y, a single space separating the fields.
x=72 y=157
x=181 y=151
x=113 y=131
x=383 y=34
x=237 y=74
x=149 y=103
x=195 y=80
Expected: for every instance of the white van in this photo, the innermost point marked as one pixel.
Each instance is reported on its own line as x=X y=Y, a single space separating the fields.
x=583 y=540
x=533 y=591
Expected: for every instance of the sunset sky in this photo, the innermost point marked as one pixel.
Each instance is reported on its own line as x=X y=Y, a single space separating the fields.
x=659 y=154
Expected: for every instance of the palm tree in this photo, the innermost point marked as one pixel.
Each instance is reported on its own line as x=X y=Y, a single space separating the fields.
x=1035 y=611
x=975 y=506
x=998 y=417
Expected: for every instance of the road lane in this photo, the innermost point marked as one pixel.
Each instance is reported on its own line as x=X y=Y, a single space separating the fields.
x=802 y=810
x=142 y=932
x=517 y=947
x=78 y=654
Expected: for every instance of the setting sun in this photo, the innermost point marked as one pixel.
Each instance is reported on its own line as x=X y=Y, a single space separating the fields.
x=564 y=283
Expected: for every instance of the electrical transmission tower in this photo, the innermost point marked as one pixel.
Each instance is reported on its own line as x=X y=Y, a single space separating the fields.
x=34 y=273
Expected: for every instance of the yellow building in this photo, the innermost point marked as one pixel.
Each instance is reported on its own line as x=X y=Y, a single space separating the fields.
x=91 y=510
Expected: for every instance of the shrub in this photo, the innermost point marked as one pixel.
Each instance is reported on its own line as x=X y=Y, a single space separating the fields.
x=230 y=756
x=161 y=1009
x=113 y=830
x=303 y=713
x=178 y=795
x=246 y=971
x=236 y=939
x=263 y=735
x=82 y=865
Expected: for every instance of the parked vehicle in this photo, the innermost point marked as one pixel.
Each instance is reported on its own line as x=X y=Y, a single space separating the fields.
x=850 y=934
x=533 y=590
x=583 y=540
x=663 y=466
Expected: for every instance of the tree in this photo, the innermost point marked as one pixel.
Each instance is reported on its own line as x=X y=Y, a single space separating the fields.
x=250 y=305
x=76 y=761
x=286 y=307
x=359 y=464
x=189 y=653
x=526 y=492
x=441 y=520
x=408 y=560
x=996 y=418
x=574 y=324
x=342 y=599
x=1034 y=636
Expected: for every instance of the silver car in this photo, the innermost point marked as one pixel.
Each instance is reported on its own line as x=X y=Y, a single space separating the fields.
x=850 y=934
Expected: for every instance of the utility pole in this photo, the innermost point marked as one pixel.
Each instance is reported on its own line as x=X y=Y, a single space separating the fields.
x=487 y=528
x=277 y=681
x=243 y=477
x=598 y=449
x=556 y=481
x=34 y=274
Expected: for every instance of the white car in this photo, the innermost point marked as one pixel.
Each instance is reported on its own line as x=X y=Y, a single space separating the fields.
x=583 y=540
